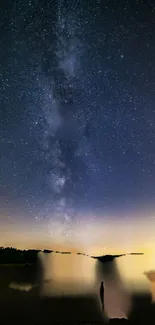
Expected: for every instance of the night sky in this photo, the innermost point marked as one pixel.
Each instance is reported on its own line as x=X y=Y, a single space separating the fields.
x=77 y=114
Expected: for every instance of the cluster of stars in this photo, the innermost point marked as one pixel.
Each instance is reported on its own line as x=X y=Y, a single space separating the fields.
x=77 y=108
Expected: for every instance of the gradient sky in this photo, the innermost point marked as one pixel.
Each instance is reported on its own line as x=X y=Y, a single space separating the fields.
x=77 y=116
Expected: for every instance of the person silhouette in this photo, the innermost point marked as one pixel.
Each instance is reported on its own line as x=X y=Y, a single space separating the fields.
x=102 y=294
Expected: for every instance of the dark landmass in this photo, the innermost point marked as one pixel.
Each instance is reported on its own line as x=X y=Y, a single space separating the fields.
x=107 y=258
x=110 y=258
x=135 y=254
x=65 y=252
x=47 y=251
x=10 y=255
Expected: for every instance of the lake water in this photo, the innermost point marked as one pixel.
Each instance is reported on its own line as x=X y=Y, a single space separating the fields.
x=77 y=275
x=66 y=279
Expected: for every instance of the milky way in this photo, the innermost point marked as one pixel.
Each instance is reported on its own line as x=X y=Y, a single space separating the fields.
x=65 y=143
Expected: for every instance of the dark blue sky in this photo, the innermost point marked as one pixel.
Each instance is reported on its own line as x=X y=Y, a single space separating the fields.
x=77 y=108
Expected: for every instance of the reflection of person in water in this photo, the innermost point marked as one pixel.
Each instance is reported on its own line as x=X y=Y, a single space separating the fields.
x=102 y=294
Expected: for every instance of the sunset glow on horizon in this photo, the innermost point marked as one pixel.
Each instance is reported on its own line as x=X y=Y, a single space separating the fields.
x=95 y=237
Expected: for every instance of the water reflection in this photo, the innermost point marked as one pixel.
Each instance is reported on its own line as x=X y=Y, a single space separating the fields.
x=70 y=274
x=26 y=287
x=66 y=279
x=132 y=268
x=150 y=275
x=78 y=275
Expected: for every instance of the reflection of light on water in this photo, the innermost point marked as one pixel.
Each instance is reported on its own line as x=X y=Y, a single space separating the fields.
x=76 y=275
x=153 y=291
x=132 y=270
x=117 y=300
x=150 y=275
x=21 y=286
x=71 y=274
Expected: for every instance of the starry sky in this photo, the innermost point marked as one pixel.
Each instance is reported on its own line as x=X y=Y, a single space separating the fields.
x=77 y=114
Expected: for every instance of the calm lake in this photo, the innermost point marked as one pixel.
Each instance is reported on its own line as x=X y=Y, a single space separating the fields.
x=68 y=284
x=76 y=275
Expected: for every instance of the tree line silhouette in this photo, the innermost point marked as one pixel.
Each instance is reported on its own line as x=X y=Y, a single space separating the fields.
x=10 y=255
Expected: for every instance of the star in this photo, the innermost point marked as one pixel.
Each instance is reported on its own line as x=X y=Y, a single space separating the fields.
x=77 y=112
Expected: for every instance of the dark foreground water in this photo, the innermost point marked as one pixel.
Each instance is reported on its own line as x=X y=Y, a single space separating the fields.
x=32 y=295
x=22 y=302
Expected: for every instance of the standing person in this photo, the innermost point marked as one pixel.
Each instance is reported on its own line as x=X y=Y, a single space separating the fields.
x=102 y=294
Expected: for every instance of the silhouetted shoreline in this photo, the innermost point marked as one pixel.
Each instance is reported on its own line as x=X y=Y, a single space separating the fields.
x=10 y=255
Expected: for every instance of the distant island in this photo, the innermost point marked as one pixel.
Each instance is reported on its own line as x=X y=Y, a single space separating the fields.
x=10 y=255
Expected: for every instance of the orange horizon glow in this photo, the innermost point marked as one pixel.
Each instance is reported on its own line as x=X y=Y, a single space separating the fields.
x=97 y=237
